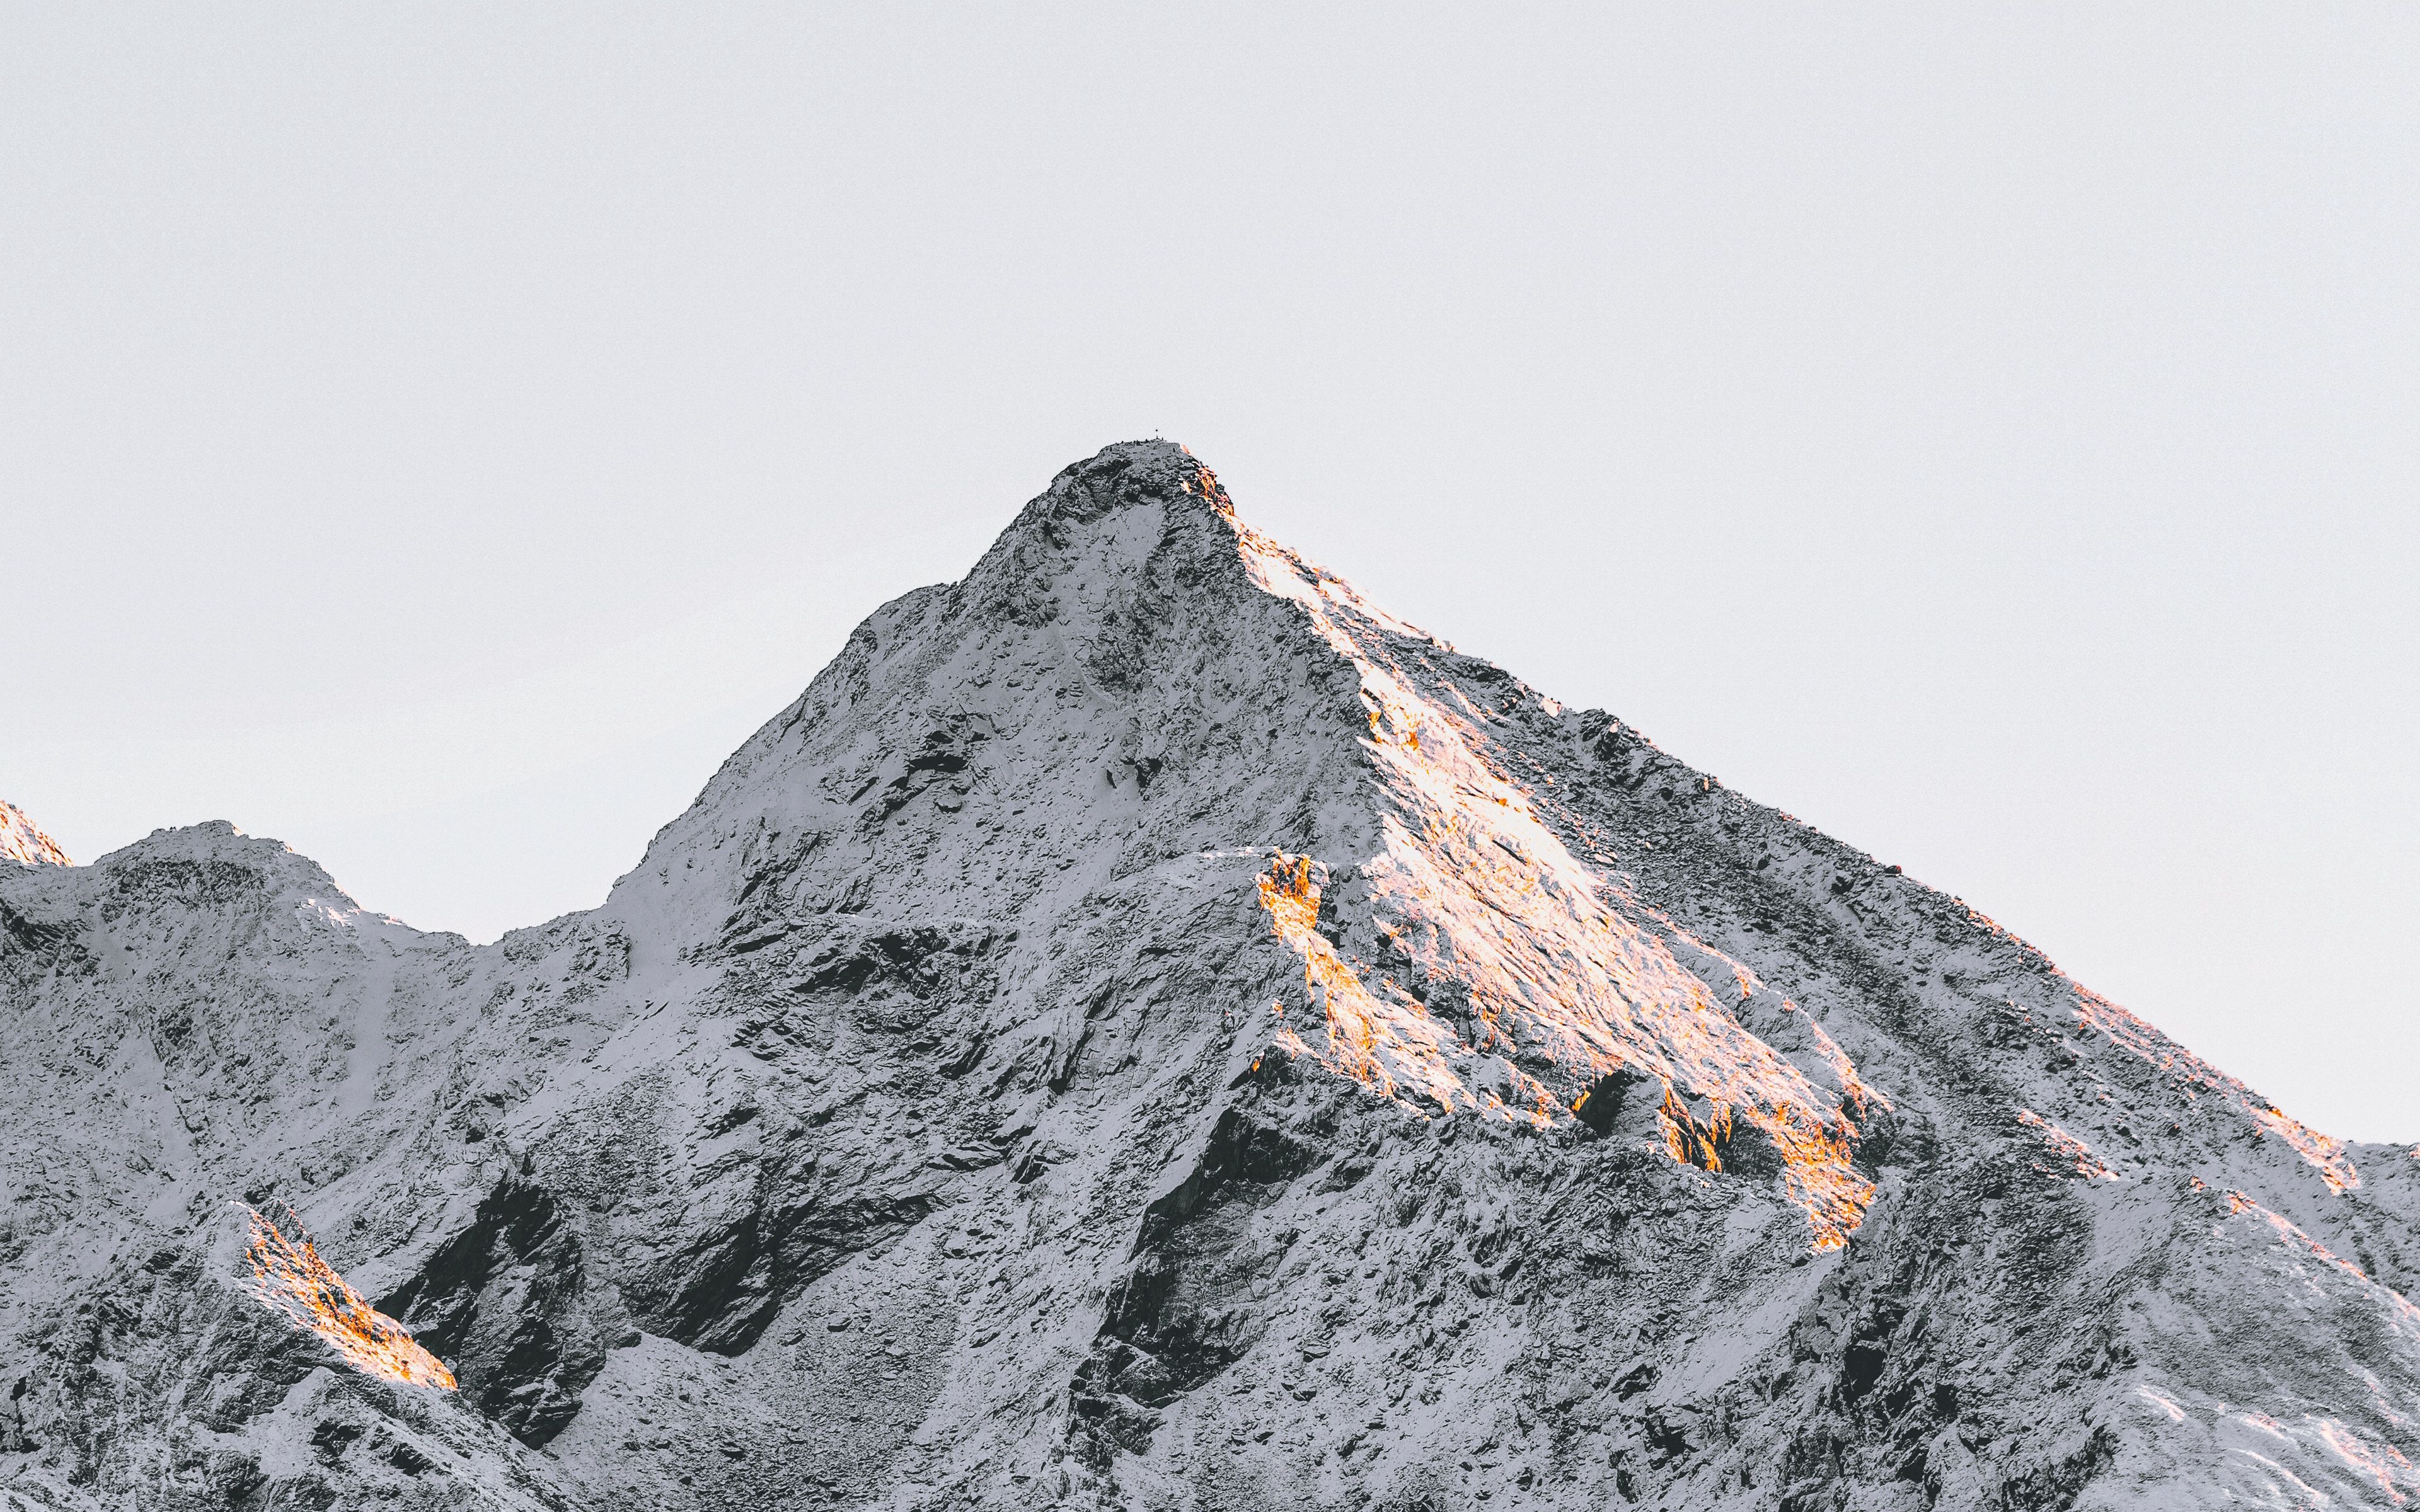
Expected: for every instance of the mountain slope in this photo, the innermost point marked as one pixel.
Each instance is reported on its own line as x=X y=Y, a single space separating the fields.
x=1147 y=1028
x=21 y=841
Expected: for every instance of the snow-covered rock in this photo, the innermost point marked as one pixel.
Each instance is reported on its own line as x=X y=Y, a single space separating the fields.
x=21 y=841
x=1148 y=1028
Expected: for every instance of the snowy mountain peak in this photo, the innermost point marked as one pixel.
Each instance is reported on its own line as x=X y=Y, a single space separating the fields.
x=216 y=847
x=1127 y=472
x=1146 y=1027
x=22 y=842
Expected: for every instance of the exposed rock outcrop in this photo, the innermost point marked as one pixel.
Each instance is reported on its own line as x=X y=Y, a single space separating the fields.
x=22 y=842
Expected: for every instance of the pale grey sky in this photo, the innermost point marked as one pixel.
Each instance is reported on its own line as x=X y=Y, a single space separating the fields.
x=435 y=436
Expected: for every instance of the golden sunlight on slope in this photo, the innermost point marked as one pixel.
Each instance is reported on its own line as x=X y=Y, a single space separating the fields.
x=289 y=1277
x=2068 y=1149
x=1561 y=979
x=22 y=841
x=1388 y=1043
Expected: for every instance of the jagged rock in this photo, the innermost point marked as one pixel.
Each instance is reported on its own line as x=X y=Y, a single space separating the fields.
x=21 y=841
x=1148 y=1028
x=505 y=1303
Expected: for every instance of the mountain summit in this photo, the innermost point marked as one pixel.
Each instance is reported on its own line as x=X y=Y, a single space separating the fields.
x=21 y=841
x=1148 y=1028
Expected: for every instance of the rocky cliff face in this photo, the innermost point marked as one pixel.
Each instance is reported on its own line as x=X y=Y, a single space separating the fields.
x=1148 y=1030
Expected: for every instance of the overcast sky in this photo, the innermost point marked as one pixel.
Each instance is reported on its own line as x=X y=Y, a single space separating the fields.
x=435 y=437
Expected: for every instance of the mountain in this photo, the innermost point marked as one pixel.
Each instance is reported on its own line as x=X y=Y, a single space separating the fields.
x=1147 y=1028
x=21 y=841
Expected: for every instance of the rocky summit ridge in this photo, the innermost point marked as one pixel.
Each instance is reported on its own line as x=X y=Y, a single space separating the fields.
x=21 y=841
x=1148 y=1028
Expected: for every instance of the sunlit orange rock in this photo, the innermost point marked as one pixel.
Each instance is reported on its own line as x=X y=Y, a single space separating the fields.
x=289 y=1277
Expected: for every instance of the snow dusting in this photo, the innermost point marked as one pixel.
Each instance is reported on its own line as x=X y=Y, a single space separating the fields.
x=1148 y=1028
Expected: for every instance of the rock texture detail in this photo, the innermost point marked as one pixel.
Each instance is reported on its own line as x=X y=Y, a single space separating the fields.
x=1147 y=1028
x=22 y=842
